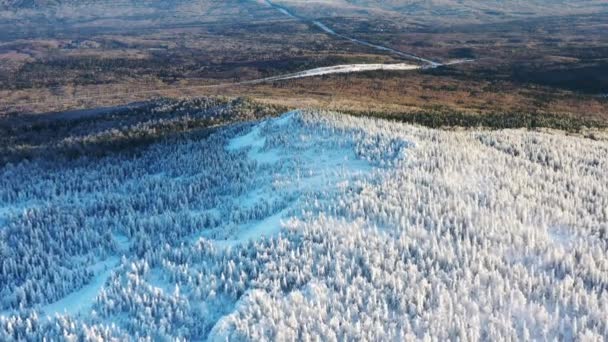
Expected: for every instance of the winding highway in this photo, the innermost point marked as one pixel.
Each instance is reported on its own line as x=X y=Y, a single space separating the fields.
x=337 y=69
x=429 y=63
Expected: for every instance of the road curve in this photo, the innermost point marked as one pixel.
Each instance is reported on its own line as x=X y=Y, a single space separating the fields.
x=336 y=69
x=429 y=63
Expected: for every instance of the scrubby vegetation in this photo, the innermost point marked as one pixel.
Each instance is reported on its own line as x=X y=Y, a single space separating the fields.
x=312 y=225
x=121 y=129
x=76 y=59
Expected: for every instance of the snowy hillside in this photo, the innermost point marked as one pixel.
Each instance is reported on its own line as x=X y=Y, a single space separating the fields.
x=312 y=225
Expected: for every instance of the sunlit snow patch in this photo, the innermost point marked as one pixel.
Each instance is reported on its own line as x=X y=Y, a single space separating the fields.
x=122 y=242
x=255 y=141
x=561 y=236
x=246 y=232
x=295 y=159
x=7 y=211
x=82 y=300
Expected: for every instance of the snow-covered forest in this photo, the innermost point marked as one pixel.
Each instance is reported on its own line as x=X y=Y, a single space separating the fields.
x=312 y=225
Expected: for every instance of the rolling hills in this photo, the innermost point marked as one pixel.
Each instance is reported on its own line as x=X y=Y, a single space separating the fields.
x=448 y=11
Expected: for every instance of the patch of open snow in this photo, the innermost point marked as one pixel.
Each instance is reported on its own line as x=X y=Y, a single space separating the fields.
x=122 y=241
x=285 y=118
x=13 y=209
x=254 y=142
x=157 y=278
x=249 y=140
x=561 y=236
x=269 y=226
x=269 y=157
x=312 y=160
x=265 y=228
x=249 y=199
x=82 y=300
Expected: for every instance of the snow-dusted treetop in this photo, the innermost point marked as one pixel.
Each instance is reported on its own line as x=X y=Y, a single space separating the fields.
x=312 y=225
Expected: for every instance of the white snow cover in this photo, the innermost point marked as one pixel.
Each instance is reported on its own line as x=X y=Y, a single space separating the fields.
x=82 y=300
x=338 y=69
x=315 y=225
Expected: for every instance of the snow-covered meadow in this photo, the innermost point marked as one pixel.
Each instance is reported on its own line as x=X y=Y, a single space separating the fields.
x=312 y=225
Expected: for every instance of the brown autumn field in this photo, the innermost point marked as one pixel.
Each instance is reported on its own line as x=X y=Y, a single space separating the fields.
x=553 y=65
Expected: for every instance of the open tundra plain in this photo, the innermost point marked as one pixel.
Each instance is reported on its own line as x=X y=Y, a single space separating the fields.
x=299 y=226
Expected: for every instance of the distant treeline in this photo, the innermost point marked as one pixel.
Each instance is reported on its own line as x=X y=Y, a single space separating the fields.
x=442 y=118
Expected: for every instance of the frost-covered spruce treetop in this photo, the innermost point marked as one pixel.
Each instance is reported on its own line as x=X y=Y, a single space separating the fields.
x=311 y=226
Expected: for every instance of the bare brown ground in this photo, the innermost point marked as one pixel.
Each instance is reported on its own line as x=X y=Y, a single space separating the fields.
x=400 y=92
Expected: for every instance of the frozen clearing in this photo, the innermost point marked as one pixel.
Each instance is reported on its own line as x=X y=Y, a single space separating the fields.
x=267 y=227
x=302 y=165
x=81 y=301
x=338 y=69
